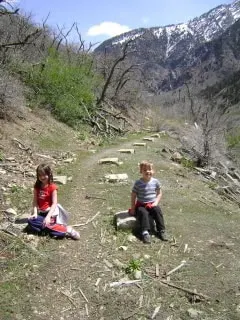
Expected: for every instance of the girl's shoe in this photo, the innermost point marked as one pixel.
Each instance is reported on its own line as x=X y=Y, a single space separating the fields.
x=73 y=234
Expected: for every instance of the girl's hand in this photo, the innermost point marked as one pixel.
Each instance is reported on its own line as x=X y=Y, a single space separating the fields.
x=33 y=216
x=47 y=220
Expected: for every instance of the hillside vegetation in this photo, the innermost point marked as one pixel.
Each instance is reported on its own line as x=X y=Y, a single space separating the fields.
x=64 y=105
x=104 y=94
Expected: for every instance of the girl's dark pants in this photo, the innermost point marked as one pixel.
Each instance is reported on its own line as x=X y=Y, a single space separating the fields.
x=145 y=214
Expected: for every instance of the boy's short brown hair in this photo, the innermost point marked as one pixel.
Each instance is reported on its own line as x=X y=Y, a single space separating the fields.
x=145 y=164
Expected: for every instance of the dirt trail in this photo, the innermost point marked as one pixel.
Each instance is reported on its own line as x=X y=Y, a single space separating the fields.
x=71 y=280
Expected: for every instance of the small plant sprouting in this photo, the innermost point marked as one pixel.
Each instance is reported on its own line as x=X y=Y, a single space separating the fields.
x=133 y=265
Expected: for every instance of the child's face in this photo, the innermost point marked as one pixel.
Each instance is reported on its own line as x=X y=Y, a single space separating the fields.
x=147 y=172
x=43 y=178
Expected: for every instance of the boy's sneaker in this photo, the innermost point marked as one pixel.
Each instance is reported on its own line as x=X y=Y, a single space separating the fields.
x=147 y=238
x=73 y=234
x=162 y=235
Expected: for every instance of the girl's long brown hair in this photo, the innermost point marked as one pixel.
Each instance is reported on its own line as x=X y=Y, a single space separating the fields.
x=43 y=169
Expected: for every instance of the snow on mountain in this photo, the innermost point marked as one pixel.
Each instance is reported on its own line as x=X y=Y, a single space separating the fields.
x=199 y=30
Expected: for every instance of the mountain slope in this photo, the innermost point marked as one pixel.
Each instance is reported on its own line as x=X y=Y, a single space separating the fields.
x=169 y=53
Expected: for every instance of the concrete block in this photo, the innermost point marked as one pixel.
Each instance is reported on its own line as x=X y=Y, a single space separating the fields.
x=148 y=139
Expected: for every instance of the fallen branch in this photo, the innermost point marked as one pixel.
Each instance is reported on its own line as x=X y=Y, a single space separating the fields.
x=123 y=283
x=94 y=197
x=177 y=268
x=21 y=145
x=69 y=298
x=88 y=221
x=9 y=232
x=155 y=312
x=85 y=298
x=86 y=308
x=192 y=292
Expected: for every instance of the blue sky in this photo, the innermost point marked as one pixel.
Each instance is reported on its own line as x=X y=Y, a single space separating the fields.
x=101 y=19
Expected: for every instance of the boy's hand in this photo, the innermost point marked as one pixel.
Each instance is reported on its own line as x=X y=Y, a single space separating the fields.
x=131 y=211
x=149 y=205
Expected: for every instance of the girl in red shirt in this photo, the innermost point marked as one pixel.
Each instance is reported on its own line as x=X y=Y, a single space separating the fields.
x=47 y=214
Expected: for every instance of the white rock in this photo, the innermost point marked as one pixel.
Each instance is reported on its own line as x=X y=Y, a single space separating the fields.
x=69 y=160
x=116 y=177
x=124 y=248
x=137 y=274
x=124 y=220
x=131 y=238
x=60 y=179
x=213 y=174
x=11 y=211
x=193 y=313
x=146 y=256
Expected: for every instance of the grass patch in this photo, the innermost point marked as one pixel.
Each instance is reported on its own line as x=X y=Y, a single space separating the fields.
x=20 y=197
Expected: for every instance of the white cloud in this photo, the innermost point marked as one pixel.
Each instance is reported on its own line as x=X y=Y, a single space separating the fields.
x=107 y=28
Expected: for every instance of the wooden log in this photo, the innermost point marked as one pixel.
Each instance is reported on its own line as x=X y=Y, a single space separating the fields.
x=131 y=151
x=140 y=144
x=155 y=135
x=108 y=160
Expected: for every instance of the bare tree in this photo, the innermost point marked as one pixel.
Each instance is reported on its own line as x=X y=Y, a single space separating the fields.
x=119 y=91
x=210 y=121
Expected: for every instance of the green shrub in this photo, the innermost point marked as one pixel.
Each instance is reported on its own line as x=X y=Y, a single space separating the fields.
x=233 y=139
x=66 y=86
x=133 y=266
x=187 y=163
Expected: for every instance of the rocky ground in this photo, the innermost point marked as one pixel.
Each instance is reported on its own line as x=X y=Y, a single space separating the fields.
x=109 y=273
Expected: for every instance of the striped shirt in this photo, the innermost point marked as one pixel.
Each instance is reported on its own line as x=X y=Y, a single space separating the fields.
x=146 y=191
